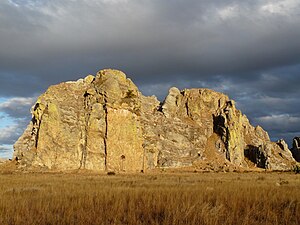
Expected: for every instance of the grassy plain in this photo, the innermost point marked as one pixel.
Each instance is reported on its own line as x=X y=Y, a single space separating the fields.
x=154 y=198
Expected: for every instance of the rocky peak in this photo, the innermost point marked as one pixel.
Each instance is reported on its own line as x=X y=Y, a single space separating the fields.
x=114 y=84
x=104 y=123
x=117 y=90
x=171 y=102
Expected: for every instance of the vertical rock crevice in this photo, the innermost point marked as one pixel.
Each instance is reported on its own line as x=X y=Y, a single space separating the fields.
x=228 y=125
x=106 y=132
x=84 y=135
x=37 y=116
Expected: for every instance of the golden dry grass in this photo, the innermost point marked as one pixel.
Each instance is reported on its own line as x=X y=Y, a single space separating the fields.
x=186 y=198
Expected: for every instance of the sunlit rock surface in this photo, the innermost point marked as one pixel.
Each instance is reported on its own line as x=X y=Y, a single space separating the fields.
x=104 y=123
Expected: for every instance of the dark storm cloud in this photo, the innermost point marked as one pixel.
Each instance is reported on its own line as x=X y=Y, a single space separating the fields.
x=58 y=40
x=247 y=49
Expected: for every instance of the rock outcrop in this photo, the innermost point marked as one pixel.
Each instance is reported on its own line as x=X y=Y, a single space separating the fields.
x=105 y=123
x=2 y=160
x=296 y=148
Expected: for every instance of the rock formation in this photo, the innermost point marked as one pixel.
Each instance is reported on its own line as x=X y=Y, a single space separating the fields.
x=296 y=148
x=2 y=160
x=105 y=123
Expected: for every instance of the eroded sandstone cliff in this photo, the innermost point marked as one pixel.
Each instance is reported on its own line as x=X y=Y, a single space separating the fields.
x=105 y=123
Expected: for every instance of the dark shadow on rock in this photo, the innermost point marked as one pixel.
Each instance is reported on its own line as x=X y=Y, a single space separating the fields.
x=256 y=155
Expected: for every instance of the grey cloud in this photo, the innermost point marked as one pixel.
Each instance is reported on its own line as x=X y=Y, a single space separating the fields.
x=280 y=123
x=17 y=110
x=18 y=84
x=281 y=126
x=4 y=148
x=5 y=152
x=267 y=103
x=147 y=38
x=17 y=107
x=10 y=133
x=247 y=49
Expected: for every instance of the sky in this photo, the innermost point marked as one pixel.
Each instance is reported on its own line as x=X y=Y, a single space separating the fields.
x=247 y=49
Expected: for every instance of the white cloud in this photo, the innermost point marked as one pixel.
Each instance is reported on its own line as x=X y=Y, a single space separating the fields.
x=282 y=122
x=13 y=124
x=13 y=102
x=10 y=133
x=228 y=12
x=5 y=148
x=17 y=107
x=282 y=7
x=283 y=117
x=6 y=151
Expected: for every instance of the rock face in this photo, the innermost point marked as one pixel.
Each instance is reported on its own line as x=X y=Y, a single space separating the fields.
x=2 y=160
x=296 y=149
x=104 y=123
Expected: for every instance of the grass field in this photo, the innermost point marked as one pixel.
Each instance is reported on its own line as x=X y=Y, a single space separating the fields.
x=158 y=198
